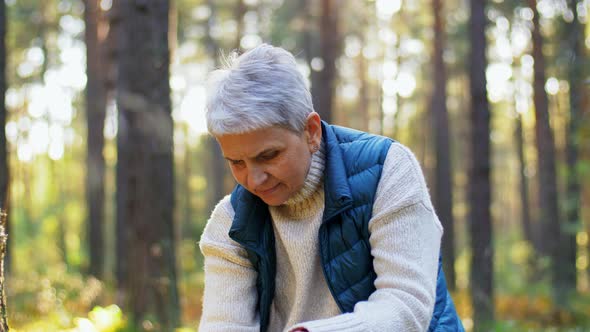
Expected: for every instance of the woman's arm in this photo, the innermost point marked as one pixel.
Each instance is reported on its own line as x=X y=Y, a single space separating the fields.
x=230 y=296
x=405 y=243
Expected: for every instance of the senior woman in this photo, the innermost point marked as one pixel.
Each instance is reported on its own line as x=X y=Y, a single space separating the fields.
x=328 y=229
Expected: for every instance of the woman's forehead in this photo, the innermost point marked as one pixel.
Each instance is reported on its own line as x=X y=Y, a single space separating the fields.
x=254 y=143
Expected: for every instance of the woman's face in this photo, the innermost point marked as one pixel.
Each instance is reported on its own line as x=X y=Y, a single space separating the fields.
x=272 y=163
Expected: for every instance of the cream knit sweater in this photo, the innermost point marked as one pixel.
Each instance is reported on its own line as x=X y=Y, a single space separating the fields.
x=405 y=241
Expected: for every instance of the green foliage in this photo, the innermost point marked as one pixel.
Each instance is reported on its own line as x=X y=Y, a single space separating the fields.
x=522 y=291
x=55 y=296
x=65 y=302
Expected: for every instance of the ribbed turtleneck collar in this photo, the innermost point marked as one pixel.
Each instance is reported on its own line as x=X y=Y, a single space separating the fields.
x=310 y=196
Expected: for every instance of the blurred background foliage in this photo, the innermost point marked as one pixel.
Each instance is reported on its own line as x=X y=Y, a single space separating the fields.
x=383 y=80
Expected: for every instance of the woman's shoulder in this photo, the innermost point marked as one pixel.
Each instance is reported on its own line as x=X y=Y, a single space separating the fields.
x=402 y=162
x=215 y=240
x=219 y=223
x=402 y=181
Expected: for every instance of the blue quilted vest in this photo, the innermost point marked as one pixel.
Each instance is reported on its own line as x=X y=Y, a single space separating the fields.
x=354 y=161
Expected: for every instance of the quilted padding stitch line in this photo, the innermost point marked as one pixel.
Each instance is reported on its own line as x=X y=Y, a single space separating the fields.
x=357 y=139
x=345 y=251
x=366 y=276
x=354 y=140
x=364 y=170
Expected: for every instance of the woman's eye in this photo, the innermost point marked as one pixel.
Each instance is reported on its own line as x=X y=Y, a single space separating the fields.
x=236 y=162
x=269 y=155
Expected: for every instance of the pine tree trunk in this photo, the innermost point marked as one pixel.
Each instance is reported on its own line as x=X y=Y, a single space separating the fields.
x=527 y=227
x=3 y=238
x=4 y=161
x=529 y=232
x=311 y=44
x=585 y=158
x=143 y=100
x=216 y=171
x=363 y=101
x=443 y=195
x=185 y=185
x=548 y=198
x=3 y=170
x=122 y=232
x=329 y=50
x=575 y=39
x=217 y=165
x=96 y=100
x=481 y=279
x=4 y=175
x=240 y=11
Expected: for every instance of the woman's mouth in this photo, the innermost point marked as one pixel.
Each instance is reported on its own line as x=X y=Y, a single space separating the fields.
x=267 y=191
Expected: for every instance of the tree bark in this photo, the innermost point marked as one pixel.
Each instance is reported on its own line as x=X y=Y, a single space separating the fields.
x=529 y=232
x=310 y=45
x=122 y=231
x=4 y=174
x=363 y=101
x=3 y=169
x=4 y=165
x=96 y=100
x=143 y=100
x=329 y=50
x=240 y=11
x=443 y=196
x=548 y=198
x=4 y=159
x=3 y=238
x=527 y=228
x=574 y=35
x=217 y=165
x=481 y=278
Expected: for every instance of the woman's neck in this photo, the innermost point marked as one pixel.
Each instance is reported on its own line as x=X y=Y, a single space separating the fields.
x=308 y=196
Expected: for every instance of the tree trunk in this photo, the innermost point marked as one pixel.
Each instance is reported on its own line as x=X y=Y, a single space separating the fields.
x=363 y=100
x=529 y=232
x=548 y=198
x=310 y=45
x=585 y=158
x=185 y=185
x=216 y=172
x=122 y=231
x=575 y=39
x=3 y=170
x=146 y=163
x=3 y=238
x=62 y=227
x=240 y=11
x=4 y=175
x=481 y=279
x=217 y=165
x=329 y=50
x=96 y=100
x=527 y=228
x=443 y=195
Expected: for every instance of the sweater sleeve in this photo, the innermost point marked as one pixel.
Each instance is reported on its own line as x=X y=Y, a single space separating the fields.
x=229 y=297
x=405 y=243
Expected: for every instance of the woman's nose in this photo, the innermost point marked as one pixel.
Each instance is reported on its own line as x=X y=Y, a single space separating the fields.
x=256 y=177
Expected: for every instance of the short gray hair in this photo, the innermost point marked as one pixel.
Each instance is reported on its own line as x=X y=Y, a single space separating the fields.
x=259 y=89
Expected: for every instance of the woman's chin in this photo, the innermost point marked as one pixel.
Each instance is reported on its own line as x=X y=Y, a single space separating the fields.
x=273 y=197
x=273 y=201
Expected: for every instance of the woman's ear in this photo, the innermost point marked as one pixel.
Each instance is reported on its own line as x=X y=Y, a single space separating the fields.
x=313 y=129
